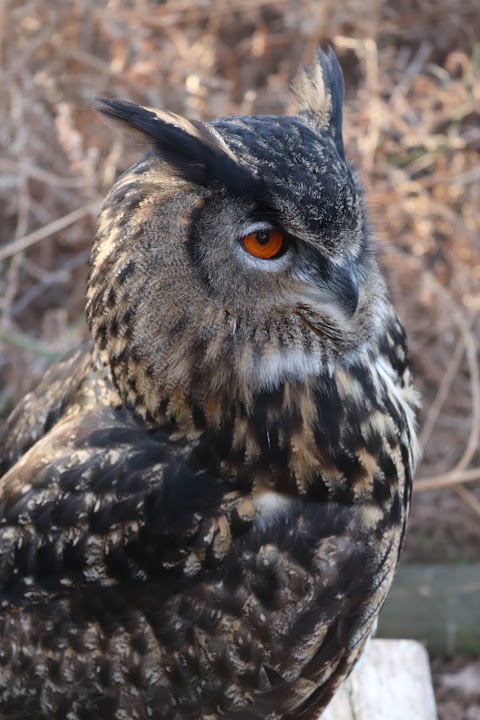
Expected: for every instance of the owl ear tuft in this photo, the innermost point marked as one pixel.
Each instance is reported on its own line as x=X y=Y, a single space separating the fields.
x=193 y=150
x=319 y=91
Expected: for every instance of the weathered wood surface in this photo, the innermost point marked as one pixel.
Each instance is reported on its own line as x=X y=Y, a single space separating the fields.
x=439 y=605
x=391 y=682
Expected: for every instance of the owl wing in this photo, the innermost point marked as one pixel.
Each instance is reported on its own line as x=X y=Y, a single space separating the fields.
x=38 y=412
x=97 y=500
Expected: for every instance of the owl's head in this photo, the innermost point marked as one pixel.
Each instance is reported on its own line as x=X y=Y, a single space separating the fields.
x=236 y=255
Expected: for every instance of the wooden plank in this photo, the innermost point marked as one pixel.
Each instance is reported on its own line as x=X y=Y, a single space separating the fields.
x=392 y=681
x=439 y=605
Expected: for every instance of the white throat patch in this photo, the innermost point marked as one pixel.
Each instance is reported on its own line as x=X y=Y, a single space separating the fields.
x=275 y=367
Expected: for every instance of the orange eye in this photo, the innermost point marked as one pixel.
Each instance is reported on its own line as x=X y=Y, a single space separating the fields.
x=264 y=244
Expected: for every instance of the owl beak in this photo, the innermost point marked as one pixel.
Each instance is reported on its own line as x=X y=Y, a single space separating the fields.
x=332 y=286
x=342 y=285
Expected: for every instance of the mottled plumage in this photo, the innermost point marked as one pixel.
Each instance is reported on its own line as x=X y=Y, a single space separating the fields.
x=202 y=510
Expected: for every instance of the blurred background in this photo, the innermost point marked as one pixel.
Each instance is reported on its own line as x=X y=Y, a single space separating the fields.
x=412 y=126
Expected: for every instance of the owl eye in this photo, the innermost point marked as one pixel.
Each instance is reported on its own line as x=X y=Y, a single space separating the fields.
x=265 y=244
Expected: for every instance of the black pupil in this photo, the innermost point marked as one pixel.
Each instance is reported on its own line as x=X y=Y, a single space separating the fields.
x=263 y=236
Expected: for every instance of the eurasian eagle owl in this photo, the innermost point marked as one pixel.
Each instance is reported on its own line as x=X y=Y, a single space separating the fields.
x=201 y=511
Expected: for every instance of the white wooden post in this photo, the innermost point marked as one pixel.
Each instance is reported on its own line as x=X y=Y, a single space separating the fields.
x=392 y=681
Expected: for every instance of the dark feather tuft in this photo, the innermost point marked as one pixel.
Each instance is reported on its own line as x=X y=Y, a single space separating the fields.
x=319 y=89
x=333 y=79
x=190 y=147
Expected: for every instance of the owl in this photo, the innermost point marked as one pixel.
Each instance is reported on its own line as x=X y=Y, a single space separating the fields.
x=202 y=509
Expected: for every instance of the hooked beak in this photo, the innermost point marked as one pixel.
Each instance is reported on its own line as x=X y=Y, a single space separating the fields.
x=331 y=286
x=343 y=284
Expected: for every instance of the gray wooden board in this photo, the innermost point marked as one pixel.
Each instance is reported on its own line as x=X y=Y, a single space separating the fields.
x=438 y=605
